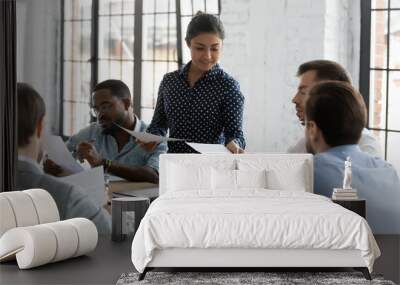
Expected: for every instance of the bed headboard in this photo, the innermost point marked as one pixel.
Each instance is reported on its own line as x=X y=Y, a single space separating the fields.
x=294 y=169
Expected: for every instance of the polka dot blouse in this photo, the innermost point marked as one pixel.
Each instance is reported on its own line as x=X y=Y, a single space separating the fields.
x=210 y=112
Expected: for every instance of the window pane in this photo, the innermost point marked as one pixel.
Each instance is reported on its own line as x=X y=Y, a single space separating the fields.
x=377 y=100
x=172 y=66
x=109 y=69
x=77 y=9
x=172 y=7
x=146 y=115
x=185 y=50
x=394 y=39
x=77 y=81
x=148 y=6
x=394 y=3
x=161 y=38
x=381 y=137
x=77 y=40
x=162 y=6
x=129 y=6
x=394 y=100
x=76 y=116
x=378 y=39
x=161 y=68
x=127 y=74
x=104 y=70
x=393 y=150
x=148 y=91
x=379 y=4
x=110 y=37
x=148 y=37
x=198 y=5
x=127 y=37
x=115 y=69
x=186 y=7
x=212 y=7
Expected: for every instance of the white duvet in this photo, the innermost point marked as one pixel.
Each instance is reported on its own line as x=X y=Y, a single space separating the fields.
x=250 y=219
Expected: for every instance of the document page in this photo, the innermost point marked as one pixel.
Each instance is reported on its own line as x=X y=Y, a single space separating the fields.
x=59 y=153
x=209 y=148
x=147 y=137
x=92 y=182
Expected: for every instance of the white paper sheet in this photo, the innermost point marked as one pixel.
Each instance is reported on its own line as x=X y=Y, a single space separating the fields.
x=92 y=182
x=209 y=148
x=59 y=153
x=147 y=137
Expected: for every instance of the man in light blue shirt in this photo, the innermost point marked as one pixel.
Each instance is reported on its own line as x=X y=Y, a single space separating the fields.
x=334 y=120
x=104 y=143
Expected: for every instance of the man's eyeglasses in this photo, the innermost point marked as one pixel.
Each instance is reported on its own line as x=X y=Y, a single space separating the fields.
x=103 y=108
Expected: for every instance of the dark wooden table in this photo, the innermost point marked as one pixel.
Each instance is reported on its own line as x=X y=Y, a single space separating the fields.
x=102 y=266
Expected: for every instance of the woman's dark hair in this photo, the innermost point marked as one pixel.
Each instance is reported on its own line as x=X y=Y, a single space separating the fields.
x=31 y=109
x=336 y=109
x=204 y=23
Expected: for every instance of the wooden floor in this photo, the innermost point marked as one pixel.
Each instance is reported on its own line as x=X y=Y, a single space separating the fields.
x=389 y=262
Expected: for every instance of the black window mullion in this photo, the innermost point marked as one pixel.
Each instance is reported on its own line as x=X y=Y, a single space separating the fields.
x=94 y=44
x=387 y=81
x=61 y=106
x=137 y=74
x=179 y=32
x=365 y=52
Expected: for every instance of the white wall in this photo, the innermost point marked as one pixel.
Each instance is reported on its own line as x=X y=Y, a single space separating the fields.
x=38 y=52
x=265 y=43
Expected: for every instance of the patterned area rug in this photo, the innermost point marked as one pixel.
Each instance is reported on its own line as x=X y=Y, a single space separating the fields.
x=273 y=278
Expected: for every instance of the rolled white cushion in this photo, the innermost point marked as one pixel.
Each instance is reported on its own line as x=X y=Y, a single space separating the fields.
x=23 y=208
x=45 y=205
x=87 y=235
x=34 y=245
x=66 y=238
x=7 y=218
x=37 y=245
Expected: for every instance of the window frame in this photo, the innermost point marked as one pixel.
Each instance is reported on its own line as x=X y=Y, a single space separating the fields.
x=137 y=49
x=365 y=64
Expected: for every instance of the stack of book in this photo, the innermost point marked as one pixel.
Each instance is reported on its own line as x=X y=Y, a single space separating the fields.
x=344 y=194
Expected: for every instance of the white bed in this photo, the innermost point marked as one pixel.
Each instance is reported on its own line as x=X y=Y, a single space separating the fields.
x=204 y=219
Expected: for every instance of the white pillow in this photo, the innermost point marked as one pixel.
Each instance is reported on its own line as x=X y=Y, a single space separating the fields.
x=223 y=179
x=238 y=179
x=251 y=178
x=194 y=174
x=283 y=173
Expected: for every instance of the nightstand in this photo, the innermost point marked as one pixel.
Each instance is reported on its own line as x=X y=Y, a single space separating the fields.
x=357 y=206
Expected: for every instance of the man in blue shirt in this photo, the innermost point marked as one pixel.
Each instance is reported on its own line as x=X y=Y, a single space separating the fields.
x=334 y=120
x=104 y=143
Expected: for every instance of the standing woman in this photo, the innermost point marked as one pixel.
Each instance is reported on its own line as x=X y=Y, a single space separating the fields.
x=200 y=102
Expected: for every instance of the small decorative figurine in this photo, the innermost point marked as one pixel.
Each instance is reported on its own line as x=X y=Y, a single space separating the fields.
x=347 y=174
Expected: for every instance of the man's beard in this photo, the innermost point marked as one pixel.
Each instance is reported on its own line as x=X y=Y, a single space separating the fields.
x=111 y=130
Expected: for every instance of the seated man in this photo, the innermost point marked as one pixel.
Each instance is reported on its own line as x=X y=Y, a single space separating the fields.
x=104 y=143
x=71 y=201
x=334 y=120
x=312 y=72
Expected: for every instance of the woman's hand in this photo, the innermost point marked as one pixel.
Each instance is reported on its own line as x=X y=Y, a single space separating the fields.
x=149 y=147
x=233 y=147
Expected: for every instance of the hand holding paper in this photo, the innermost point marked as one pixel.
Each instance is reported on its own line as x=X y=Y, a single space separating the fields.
x=59 y=154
